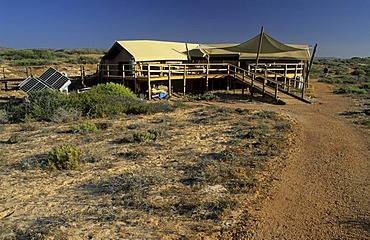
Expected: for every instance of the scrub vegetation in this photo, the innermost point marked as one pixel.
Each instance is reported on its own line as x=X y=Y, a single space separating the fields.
x=134 y=169
x=350 y=77
x=36 y=57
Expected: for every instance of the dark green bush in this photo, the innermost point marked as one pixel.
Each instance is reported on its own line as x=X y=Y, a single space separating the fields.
x=358 y=72
x=351 y=90
x=365 y=86
x=45 y=103
x=101 y=101
x=113 y=89
x=64 y=158
x=40 y=105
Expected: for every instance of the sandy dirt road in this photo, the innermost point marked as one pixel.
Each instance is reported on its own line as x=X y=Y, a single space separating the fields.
x=324 y=190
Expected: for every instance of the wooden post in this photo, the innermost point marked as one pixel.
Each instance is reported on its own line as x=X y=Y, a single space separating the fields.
x=135 y=86
x=285 y=76
x=149 y=87
x=234 y=84
x=4 y=72
x=243 y=85
x=207 y=72
x=82 y=72
x=303 y=89
x=276 y=87
x=185 y=73
x=296 y=71
x=169 y=81
x=264 y=82
x=227 y=83
x=123 y=74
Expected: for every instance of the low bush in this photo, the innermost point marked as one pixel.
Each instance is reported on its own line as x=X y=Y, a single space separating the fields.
x=351 y=90
x=112 y=89
x=365 y=86
x=102 y=100
x=207 y=96
x=85 y=127
x=15 y=138
x=40 y=105
x=65 y=115
x=64 y=158
x=133 y=155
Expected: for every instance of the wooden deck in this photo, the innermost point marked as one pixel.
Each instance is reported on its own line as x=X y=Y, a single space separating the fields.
x=270 y=81
x=258 y=80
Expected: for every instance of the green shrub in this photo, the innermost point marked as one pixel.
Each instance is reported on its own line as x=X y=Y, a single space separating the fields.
x=365 y=86
x=64 y=158
x=113 y=89
x=30 y=62
x=85 y=127
x=358 y=72
x=102 y=100
x=41 y=105
x=351 y=90
x=143 y=136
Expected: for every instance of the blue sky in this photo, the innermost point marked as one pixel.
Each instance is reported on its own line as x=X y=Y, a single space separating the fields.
x=340 y=27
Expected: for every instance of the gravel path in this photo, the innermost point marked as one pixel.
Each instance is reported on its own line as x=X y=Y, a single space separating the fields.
x=324 y=191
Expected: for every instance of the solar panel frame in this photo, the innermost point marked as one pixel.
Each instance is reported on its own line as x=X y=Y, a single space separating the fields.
x=51 y=78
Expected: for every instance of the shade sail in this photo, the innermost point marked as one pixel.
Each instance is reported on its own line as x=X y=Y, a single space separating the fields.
x=270 y=49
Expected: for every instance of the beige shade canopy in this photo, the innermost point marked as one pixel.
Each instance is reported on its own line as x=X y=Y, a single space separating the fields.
x=153 y=50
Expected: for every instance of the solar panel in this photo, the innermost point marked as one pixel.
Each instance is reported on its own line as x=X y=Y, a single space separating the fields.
x=51 y=78
x=61 y=82
x=55 y=79
x=32 y=84
x=47 y=74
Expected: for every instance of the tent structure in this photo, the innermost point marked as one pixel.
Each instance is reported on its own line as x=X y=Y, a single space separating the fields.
x=163 y=51
x=271 y=49
x=147 y=51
